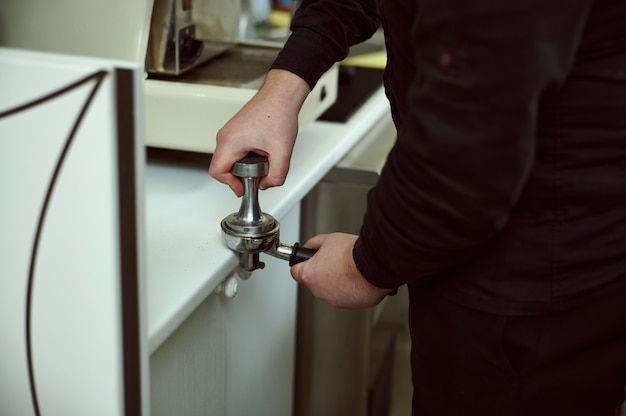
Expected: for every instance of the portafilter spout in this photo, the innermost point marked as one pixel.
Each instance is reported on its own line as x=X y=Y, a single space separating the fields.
x=250 y=231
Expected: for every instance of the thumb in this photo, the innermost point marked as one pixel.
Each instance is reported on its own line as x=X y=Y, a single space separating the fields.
x=220 y=169
x=316 y=241
x=277 y=175
x=298 y=270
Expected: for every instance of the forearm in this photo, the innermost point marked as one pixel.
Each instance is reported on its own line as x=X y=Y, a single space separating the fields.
x=283 y=91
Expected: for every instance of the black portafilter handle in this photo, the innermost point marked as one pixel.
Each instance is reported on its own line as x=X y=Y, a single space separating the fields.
x=300 y=254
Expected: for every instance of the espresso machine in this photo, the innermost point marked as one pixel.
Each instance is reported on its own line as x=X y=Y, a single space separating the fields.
x=187 y=33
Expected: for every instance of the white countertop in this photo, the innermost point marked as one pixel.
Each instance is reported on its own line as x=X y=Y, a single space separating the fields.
x=186 y=258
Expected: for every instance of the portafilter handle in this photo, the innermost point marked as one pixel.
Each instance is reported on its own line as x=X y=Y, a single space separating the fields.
x=300 y=254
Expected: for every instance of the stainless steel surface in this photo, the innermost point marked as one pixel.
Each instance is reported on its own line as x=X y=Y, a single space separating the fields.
x=282 y=251
x=333 y=345
x=251 y=231
x=250 y=238
x=242 y=66
x=253 y=166
x=250 y=211
x=249 y=262
x=251 y=169
x=184 y=34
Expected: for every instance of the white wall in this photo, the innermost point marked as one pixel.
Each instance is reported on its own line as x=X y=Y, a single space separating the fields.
x=115 y=29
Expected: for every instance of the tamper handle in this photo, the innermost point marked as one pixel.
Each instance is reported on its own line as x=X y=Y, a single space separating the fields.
x=250 y=169
x=251 y=166
x=300 y=254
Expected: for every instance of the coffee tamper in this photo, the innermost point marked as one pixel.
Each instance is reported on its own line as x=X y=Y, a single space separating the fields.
x=250 y=231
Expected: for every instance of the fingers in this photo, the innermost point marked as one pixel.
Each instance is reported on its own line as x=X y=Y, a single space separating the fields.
x=277 y=175
x=235 y=140
x=332 y=276
x=299 y=271
x=267 y=125
x=223 y=160
x=317 y=241
x=328 y=264
x=220 y=167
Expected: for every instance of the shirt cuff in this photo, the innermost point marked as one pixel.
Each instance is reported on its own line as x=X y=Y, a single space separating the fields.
x=371 y=269
x=307 y=55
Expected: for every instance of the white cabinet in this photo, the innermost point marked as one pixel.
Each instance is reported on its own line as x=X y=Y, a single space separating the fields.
x=233 y=357
x=71 y=275
x=187 y=372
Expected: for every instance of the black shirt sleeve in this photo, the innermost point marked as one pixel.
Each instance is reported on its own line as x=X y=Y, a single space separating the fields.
x=322 y=33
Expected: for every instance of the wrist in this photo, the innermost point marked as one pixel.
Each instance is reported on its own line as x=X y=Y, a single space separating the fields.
x=286 y=87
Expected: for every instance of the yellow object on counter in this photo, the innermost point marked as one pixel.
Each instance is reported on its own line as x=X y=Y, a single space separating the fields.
x=280 y=19
x=374 y=60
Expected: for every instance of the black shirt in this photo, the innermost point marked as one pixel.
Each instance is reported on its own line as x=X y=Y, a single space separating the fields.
x=506 y=189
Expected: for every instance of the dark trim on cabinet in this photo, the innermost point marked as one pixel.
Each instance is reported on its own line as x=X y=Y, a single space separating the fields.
x=125 y=108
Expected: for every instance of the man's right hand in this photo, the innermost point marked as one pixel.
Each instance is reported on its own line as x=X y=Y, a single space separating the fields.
x=267 y=125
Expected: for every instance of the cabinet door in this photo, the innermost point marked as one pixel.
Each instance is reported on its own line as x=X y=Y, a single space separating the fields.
x=260 y=335
x=234 y=357
x=70 y=257
x=187 y=372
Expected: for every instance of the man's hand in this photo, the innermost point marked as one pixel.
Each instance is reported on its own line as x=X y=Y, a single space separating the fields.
x=267 y=125
x=332 y=276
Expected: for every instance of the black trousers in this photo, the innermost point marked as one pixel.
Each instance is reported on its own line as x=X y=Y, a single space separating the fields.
x=467 y=362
